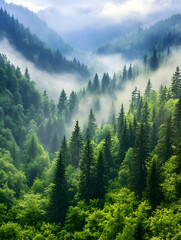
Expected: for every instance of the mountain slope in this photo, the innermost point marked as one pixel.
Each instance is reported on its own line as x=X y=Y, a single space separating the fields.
x=37 y=26
x=162 y=35
x=34 y=49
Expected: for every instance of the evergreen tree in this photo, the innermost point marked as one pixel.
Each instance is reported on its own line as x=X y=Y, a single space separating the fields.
x=148 y=89
x=176 y=84
x=92 y=125
x=154 y=63
x=101 y=178
x=108 y=155
x=27 y=75
x=123 y=144
x=89 y=86
x=105 y=83
x=164 y=148
x=59 y=193
x=87 y=175
x=54 y=142
x=46 y=106
x=65 y=151
x=76 y=143
x=153 y=136
x=72 y=103
x=138 y=165
x=153 y=180
x=95 y=85
x=62 y=103
x=124 y=78
x=130 y=74
x=120 y=122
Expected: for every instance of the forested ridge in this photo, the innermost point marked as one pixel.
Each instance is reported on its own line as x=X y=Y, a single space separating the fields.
x=120 y=180
x=35 y=50
x=161 y=36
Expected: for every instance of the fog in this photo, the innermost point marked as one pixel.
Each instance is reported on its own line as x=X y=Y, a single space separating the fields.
x=53 y=83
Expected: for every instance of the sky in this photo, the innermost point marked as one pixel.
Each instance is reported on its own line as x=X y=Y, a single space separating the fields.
x=78 y=14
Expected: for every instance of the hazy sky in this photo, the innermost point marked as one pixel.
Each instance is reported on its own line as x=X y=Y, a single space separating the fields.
x=110 y=9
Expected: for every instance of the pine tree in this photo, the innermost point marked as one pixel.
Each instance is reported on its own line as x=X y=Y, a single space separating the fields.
x=27 y=75
x=120 y=122
x=123 y=144
x=130 y=74
x=153 y=136
x=89 y=86
x=92 y=125
x=46 y=106
x=65 y=151
x=108 y=155
x=154 y=63
x=105 y=83
x=124 y=78
x=101 y=178
x=59 y=193
x=176 y=84
x=153 y=180
x=138 y=165
x=54 y=142
x=72 y=103
x=76 y=143
x=87 y=174
x=62 y=103
x=95 y=85
x=148 y=89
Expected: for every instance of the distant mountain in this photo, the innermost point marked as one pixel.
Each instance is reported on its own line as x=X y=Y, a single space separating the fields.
x=37 y=26
x=34 y=49
x=160 y=36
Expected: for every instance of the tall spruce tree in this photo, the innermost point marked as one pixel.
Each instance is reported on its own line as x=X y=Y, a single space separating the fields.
x=177 y=118
x=123 y=144
x=120 y=122
x=76 y=143
x=65 y=151
x=107 y=154
x=59 y=193
x=100 y=177
x=148 y=89
x=176 y=84
x=153 y=180
x=62 y=103
x=87 y=173
x=92 y=125
x=138 y=165
x=95 y=85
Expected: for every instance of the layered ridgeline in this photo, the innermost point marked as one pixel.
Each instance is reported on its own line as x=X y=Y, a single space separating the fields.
x=118 y=181
x=160 y=36
x=35 y=50
x=30 y=20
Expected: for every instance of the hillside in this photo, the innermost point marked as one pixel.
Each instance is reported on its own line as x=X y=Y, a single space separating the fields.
x=37 y=26
x=162 y=35
x=120 y=180
x=35 y=50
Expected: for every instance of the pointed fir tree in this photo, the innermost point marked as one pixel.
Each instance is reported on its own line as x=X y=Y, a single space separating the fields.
x=76 y=143
x=154 y=62
x=95 y=86
x=124 y=77
x=72 y=103
x=100 y=176
x=92 y=125
x=130 y=73
x=148 y=89
x=153 y=180
x=87 y=173
x=27 y=75
x=54 y=142
x=176 y=84
x=123 y=144
x=108 y=155
x=59 y=193
x=153 y=136
x=65 y=151
x=120 y=122
x=137 y=177
x=62 y=103
x=46 y=105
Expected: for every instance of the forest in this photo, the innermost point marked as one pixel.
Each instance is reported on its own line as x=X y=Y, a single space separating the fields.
x=118 y=180
x=36 y=50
